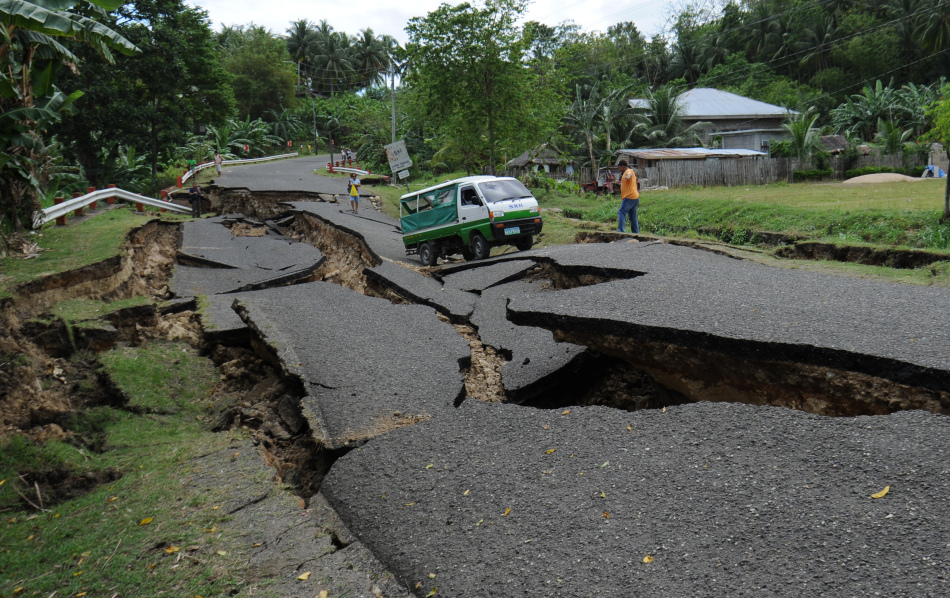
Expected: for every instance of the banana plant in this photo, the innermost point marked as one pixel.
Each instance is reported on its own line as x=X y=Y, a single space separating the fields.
x=30 y=55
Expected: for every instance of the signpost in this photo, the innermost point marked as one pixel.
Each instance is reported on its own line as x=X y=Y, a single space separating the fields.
x=399 y=160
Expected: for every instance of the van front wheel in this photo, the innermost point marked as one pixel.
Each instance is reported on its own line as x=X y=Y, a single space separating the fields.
x=427 y=254
x=524 y=244
x=480 y=247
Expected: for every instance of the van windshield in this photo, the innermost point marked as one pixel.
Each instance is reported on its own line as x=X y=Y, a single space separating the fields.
x=494 y=191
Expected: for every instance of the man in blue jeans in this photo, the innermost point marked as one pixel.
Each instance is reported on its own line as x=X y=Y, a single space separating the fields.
x=629 y=199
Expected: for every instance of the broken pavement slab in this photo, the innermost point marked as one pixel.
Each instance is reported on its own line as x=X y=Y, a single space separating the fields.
x=275 y=539
x=415 y=287
x=537 y=362
x=378 y=232
x=368 y=366
x=479 y=279
x=718 y=328
x=724 y=499
x=211 y=244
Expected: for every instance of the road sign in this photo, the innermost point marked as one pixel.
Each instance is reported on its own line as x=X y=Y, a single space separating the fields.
x=398 y=156
x=403 y=174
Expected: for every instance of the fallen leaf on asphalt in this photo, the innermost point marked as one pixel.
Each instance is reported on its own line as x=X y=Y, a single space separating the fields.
x=418 y=585
x=629 y=427
x=508 y=510
x=648 y=559
x=882 y=493
x=429 y=466
x=171 y=549
x=479 y=522
x=145 y=521
x=602 y=495
x=466 y=492
x=304 y=576
x=565 y=412
x=323 y=594
x=432 y=593
x=409 y=504
x=545 y=427
x=664 y=410
x=606 y=463
x=432 y=576
x=223 y=552
x=549 y=451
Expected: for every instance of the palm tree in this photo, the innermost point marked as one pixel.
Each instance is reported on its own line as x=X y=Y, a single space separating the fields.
x=933 y=29
x=890 y=138
x=284 y=124
x=802 y=133
x=370 y=58
x=614 y=108
x=859 y=114
x=819 y=36
x=301 y=39
x=334 y=67
x=661 y=122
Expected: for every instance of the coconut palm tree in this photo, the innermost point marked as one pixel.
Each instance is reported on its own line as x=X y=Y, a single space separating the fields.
x=890 y=137
x=661 y=124
x=332 y=61
x=301 y=39
x=584 y=117
x=370 y=58
x=802 y=132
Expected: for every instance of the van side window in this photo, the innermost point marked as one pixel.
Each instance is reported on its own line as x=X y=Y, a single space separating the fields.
x=470 y=197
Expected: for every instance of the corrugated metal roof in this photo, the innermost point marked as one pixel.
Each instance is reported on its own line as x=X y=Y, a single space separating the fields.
x=705 y=102
x=688 y=153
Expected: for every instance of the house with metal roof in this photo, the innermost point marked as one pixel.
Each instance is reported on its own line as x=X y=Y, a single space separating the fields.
x=740 y=122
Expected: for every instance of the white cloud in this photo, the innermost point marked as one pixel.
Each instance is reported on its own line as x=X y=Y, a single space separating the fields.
x=390 y=16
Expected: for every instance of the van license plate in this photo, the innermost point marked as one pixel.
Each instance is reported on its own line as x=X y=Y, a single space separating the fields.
x=515 y=230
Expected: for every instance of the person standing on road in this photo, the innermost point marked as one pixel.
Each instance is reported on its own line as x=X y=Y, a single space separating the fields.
x=629 y=199
x=194 y=196
x=354 y=186
x=218 y=161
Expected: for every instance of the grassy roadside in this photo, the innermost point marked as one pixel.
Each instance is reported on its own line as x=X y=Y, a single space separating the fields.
x=69 y=247
x=129 y=536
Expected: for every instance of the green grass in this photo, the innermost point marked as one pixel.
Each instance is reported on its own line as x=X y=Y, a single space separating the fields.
x=79 y=310
x=96 y=543
x=73 y=246
x=160 y=372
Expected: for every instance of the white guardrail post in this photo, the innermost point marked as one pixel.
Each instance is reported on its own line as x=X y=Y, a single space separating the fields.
x=77 y=204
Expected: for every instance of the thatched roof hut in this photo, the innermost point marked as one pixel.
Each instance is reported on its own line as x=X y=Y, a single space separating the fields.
x=834 y=144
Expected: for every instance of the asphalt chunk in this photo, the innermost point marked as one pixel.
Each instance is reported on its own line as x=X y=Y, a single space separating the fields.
x=701 y=499
x=479 y=279
x=455 y=304
x=368 y=366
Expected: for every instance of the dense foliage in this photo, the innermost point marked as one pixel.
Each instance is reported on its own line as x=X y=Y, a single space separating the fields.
x=475 y=86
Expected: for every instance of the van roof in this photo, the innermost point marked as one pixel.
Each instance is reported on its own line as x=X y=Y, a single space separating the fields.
x=467 y=179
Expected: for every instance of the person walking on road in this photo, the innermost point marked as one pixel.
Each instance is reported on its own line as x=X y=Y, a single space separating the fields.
x=629 y=199
x=354 y=186
x=194 y=196
x=218 y=160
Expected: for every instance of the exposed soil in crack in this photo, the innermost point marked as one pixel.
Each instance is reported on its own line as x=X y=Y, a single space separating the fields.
x=703 y=375
x=904 y=259
x=562 y=278
x=346 y=255
x=482 y=373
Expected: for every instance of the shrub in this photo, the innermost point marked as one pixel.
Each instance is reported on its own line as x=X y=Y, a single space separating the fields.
x=571 y=213
x=814 y=174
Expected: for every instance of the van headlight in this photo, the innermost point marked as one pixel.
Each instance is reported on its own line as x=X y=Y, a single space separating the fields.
x=534 y=210
x=495 y=214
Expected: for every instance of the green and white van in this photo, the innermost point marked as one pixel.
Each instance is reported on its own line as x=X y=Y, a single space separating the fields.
x=468 y=216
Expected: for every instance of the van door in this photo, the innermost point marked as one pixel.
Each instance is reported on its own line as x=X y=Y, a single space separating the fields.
x=472 y=210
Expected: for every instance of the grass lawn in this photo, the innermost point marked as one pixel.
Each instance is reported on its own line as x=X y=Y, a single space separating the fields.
x=887 y=214
x=126 y=537
x=76 y=245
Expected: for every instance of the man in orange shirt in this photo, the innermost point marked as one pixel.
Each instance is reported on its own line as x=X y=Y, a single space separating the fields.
x=630 y=198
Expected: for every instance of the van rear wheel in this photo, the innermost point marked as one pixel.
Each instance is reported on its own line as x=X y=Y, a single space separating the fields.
x=480 y=247
x=427 y=254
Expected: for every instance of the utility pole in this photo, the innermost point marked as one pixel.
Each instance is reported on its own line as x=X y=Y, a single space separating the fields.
x=392 y=66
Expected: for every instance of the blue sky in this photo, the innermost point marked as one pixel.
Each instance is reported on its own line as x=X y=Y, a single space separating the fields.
x=390 y=16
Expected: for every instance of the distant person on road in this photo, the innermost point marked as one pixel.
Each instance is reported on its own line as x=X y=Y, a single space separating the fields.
x=194 y=196
x=629 y=199
x=218 y=161
x=354 y=187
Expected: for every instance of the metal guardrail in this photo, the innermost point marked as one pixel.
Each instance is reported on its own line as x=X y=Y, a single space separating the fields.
x=200 y=167
x=347 y=170
x=60 y=210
